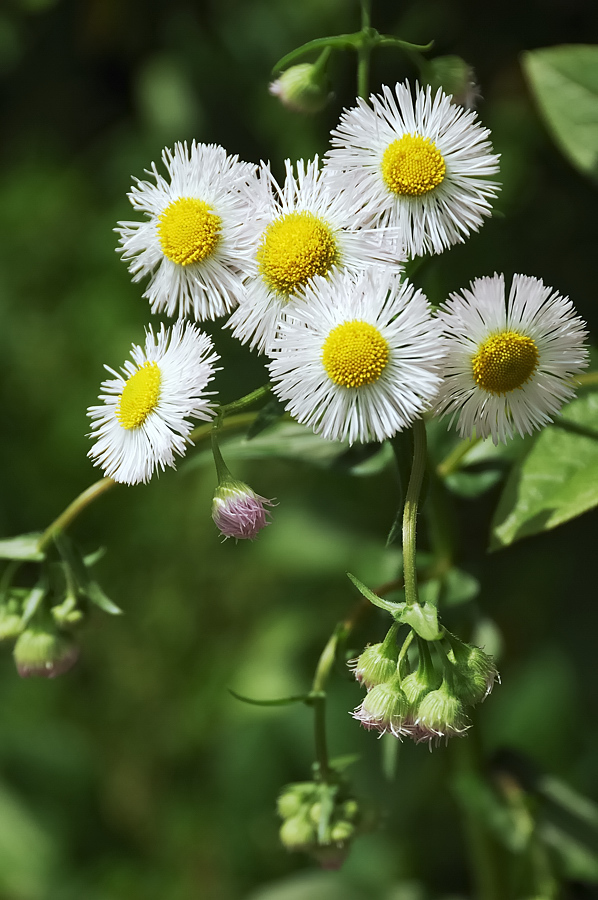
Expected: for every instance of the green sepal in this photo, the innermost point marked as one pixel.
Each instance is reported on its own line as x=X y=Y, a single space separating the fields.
x=423 y=620
x=25 y=547
x=33 y=601
x=76 y=567
x=282 y=701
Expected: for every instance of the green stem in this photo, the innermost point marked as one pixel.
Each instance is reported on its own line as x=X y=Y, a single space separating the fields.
x=222 y=470
x=320 y=64
x=73 y=509
x=587 y=378
x=403 y=650
x=453 y=461
x=418 y=469
x=318 y=695
x=244 y=402
x=364 y=51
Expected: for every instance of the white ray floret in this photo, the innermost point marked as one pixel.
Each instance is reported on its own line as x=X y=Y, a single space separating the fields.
x=510 y=359
x=359 y=359
x=197 y=240
x=308 y=230
x=422 y=164
x=144 y=419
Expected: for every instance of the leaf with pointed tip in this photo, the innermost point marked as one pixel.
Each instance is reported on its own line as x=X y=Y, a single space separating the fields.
x=392 y=608
x=97 y=596
x=24 y=547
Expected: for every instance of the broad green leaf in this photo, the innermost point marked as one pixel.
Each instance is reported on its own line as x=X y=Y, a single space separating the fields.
x=564 y=81
x=25 y=546
x=459 y=587
x=556 y=480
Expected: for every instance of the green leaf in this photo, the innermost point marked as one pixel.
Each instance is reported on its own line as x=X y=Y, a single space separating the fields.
x=473 y=484
x=392 y=608
x=556 y=480
x=423 y=620
x=32 y=602
x=340 y=763
x=282 y=701
x=337 y=42
x=97 y=596
x=25 y=546
x=564 y=81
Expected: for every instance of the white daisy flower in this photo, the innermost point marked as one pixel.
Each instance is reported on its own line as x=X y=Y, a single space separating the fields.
x=420 y=165
x=198 y=239
x=143 y=420
x=310 y=230
x=359 y=359
x=510 y=360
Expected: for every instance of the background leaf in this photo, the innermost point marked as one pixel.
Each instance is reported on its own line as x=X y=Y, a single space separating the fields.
x=564 y=81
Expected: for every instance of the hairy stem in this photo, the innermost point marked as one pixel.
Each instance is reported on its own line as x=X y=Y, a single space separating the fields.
x=416 y=478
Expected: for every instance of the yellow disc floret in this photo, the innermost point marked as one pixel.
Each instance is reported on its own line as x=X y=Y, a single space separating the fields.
x=355 y=354
x=189 y=231
x=412 y=166
x=504 y=362
x=293 y=249
x=140 y=396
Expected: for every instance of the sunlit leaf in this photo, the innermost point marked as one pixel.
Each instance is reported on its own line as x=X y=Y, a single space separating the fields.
x=564 y=81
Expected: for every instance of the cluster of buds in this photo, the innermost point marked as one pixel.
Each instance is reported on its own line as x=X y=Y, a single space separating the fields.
x=426 y=701
x=321 y=819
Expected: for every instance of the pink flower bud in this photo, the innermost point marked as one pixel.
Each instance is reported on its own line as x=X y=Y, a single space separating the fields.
x=238 y=511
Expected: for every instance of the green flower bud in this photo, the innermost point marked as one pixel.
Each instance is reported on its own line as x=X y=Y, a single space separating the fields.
x=44 y=652
x=349 y=810
x=475 y=676
x=67 y=612
x=385 y=708
x=456 y=77
x=298 y=833
x=304 y=88
x=295 y=798
x=11 y=624
x=440 y=714
x=342 y=832
x=373 y=666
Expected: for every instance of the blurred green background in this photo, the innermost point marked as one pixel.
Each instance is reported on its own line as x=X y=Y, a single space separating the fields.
x=138 y=776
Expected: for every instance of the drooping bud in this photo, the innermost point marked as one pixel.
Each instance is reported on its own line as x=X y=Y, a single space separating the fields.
x=43 y=651
x=475 y=675
x=294 y=798
x=440 y=714
x=238 y=511
x=11 y=624
x=298 y=833
x=385 y=709
x=378 y=662
x=304 y=88
x=456 y=77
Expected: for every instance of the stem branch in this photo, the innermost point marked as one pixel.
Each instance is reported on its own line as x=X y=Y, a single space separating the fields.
x=418 y=469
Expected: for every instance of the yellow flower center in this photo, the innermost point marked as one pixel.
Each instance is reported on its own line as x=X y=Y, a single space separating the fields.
x=140 y=396
x=189 y=231
x=504 y=362
x=354 y=354
x=412 y=166
x=293 y=249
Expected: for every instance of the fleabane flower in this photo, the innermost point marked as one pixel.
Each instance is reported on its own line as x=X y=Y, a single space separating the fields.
x=144 y=419
x=360 y=357
x=310 y=230
x=510 y=359
x=198 y=237
x=237 y=511
x=422 y=164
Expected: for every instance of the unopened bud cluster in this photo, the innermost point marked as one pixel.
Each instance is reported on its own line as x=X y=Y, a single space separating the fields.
x=43 y=645
x=319 y=819
x=427 y=699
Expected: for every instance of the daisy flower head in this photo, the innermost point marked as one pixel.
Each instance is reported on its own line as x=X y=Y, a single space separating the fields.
x=359 y=360
x=143 y=421
x=510 y=359
x=309 y=231
x=422 y=164
x=197 y=239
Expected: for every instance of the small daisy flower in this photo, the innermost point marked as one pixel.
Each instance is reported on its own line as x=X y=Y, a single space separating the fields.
x=197 y=241
x=143 y=420
x=510 y=360
x=359 y=359
x=420 y=164
x=310 y=230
